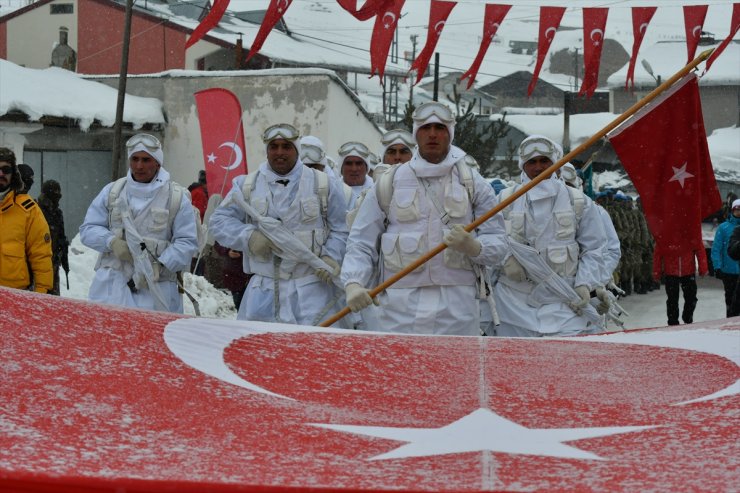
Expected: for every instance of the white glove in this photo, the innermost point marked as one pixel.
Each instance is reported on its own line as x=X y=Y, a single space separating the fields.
x=585 y=294
x=140 y=281
x=514 y=270
x=605 y=302
x=324 y=274
x=260 y=246
x=120 y=249
x=358 y=297
x=462 y=241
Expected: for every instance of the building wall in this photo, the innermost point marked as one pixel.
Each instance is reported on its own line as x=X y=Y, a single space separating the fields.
x=32 y=36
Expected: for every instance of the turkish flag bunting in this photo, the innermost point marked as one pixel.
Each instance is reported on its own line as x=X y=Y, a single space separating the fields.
x=664 y=150
x=550 y=18
x=368 y=11
x=209 y=22
x=640 y=19
x=734 y=27
x=380 y=43
x=222 y=135
x=693 y=17
x=594 y=23
x=438 y=14
x=494 y=16
x=274 y=13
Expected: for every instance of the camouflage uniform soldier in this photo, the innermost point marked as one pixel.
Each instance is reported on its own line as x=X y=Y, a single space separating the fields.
x=48 y=201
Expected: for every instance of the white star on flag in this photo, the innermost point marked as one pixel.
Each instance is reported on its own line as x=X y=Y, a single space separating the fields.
x=211 y=158
x=680 y=174
x=484 y=430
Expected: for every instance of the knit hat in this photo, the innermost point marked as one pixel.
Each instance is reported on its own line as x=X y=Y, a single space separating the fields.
x=736 y=204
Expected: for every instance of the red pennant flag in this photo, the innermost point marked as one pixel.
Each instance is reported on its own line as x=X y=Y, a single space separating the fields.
x=385 y=25
x=222 y=135
x=550 y=18
x=641 y=17
x=664 y=150
x=274 y=13
x=494 y=16
x=693 y=16
x=734 y=28
x=438 y=14
x=368 y=11
x=209 y=22
x=594 y=24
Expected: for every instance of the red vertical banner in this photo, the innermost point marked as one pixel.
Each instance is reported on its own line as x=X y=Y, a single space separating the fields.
x=734 y=28
x=274 y=13
x=493 y=18
x=438 y=14
x=367 y=11
x=209 y=22
x=594 y=24
x=641 y=17
x=222 y=135
x=693 y=17
x=385 y=25
x=550 y=18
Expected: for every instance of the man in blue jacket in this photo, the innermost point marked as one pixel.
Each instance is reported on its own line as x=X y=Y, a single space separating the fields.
x=725 y=267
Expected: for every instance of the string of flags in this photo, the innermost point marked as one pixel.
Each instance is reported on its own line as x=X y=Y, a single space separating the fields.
x=386 y=14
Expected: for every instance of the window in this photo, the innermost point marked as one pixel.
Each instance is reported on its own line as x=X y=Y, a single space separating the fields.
x=62 y=8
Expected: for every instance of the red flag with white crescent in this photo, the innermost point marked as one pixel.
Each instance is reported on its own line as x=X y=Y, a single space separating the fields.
x=693 y=16
x=209 y=22
x=222 y=135
x=369 y=10
x=385 y=25
x=734 y=28
x=640 y=19
x=594 y=24
x=493 y=18
x=550 y=18
x=274 y=13
x=438 y=14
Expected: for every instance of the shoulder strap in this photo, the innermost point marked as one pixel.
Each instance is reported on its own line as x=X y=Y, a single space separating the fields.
x=248 y=185
x=115 y=191
x=384 y=188
x=322 y=189
x=505 y=194
x=577 y=200
x=466 y=177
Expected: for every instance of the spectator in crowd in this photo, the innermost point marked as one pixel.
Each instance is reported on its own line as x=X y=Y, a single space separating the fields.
x=25 y=256
x=234 y=277
x=51 y=194
x=733 y=250
x=27 y=176
x=677 y=266
x=725 y=267
x=199 y=193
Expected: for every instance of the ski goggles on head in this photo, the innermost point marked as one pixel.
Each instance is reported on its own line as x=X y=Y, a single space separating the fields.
x=280 y=131
x=398 y=137
x=430 y=109
x=311 y=154
x=147 y=140
x=355 y=149
x=531 y=148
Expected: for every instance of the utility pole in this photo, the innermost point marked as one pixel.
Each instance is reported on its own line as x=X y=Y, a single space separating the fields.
x=118 y=168
x=414 y=37
x=436 y=76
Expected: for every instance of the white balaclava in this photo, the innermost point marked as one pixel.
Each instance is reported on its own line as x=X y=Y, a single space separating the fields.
x=306 y=144
x=402 y=137
x=538 y=145
x=157 y=154
x=434 y=119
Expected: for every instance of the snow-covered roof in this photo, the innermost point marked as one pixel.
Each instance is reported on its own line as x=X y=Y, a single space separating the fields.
x=61 y=93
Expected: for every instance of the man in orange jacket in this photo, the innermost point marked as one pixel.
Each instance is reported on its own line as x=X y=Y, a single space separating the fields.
x=25 y=259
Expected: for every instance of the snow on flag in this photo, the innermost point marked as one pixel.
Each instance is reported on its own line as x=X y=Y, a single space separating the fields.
x=594 y=24
x=222 y=135
x=493 y=18
x=274 y=13
x=209 y=22
x=640 y=19
x=663 y=148
x=550 y=18
x=438 y=14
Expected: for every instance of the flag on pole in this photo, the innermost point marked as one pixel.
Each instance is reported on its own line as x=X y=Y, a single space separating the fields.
x=663 y=148
x=594 y=24
x=274 y=13
x=385 y=25
x=209 y=22
x=438 y=14
x=640 y=19
x=550 y=18
x=493 y=18
x=222 y=135
x=693 y=17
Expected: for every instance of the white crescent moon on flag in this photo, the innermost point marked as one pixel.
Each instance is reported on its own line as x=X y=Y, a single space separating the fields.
x=547 y=33
x=393 y=19
x=694 y=31
x=438 y=27
x=597 y=31
x=643 y=26
x=284 y=7
x=237 y=155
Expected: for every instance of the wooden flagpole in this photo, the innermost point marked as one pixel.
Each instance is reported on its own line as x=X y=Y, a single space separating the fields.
x=533 y=183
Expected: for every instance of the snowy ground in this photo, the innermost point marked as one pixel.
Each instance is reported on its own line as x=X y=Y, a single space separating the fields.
x=645 y=310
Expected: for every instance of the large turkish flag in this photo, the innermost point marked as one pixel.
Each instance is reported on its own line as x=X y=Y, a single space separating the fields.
x=97 y=398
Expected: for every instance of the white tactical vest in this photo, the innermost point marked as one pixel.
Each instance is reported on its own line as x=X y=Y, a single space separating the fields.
x=415 y=226
x=306 y=219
